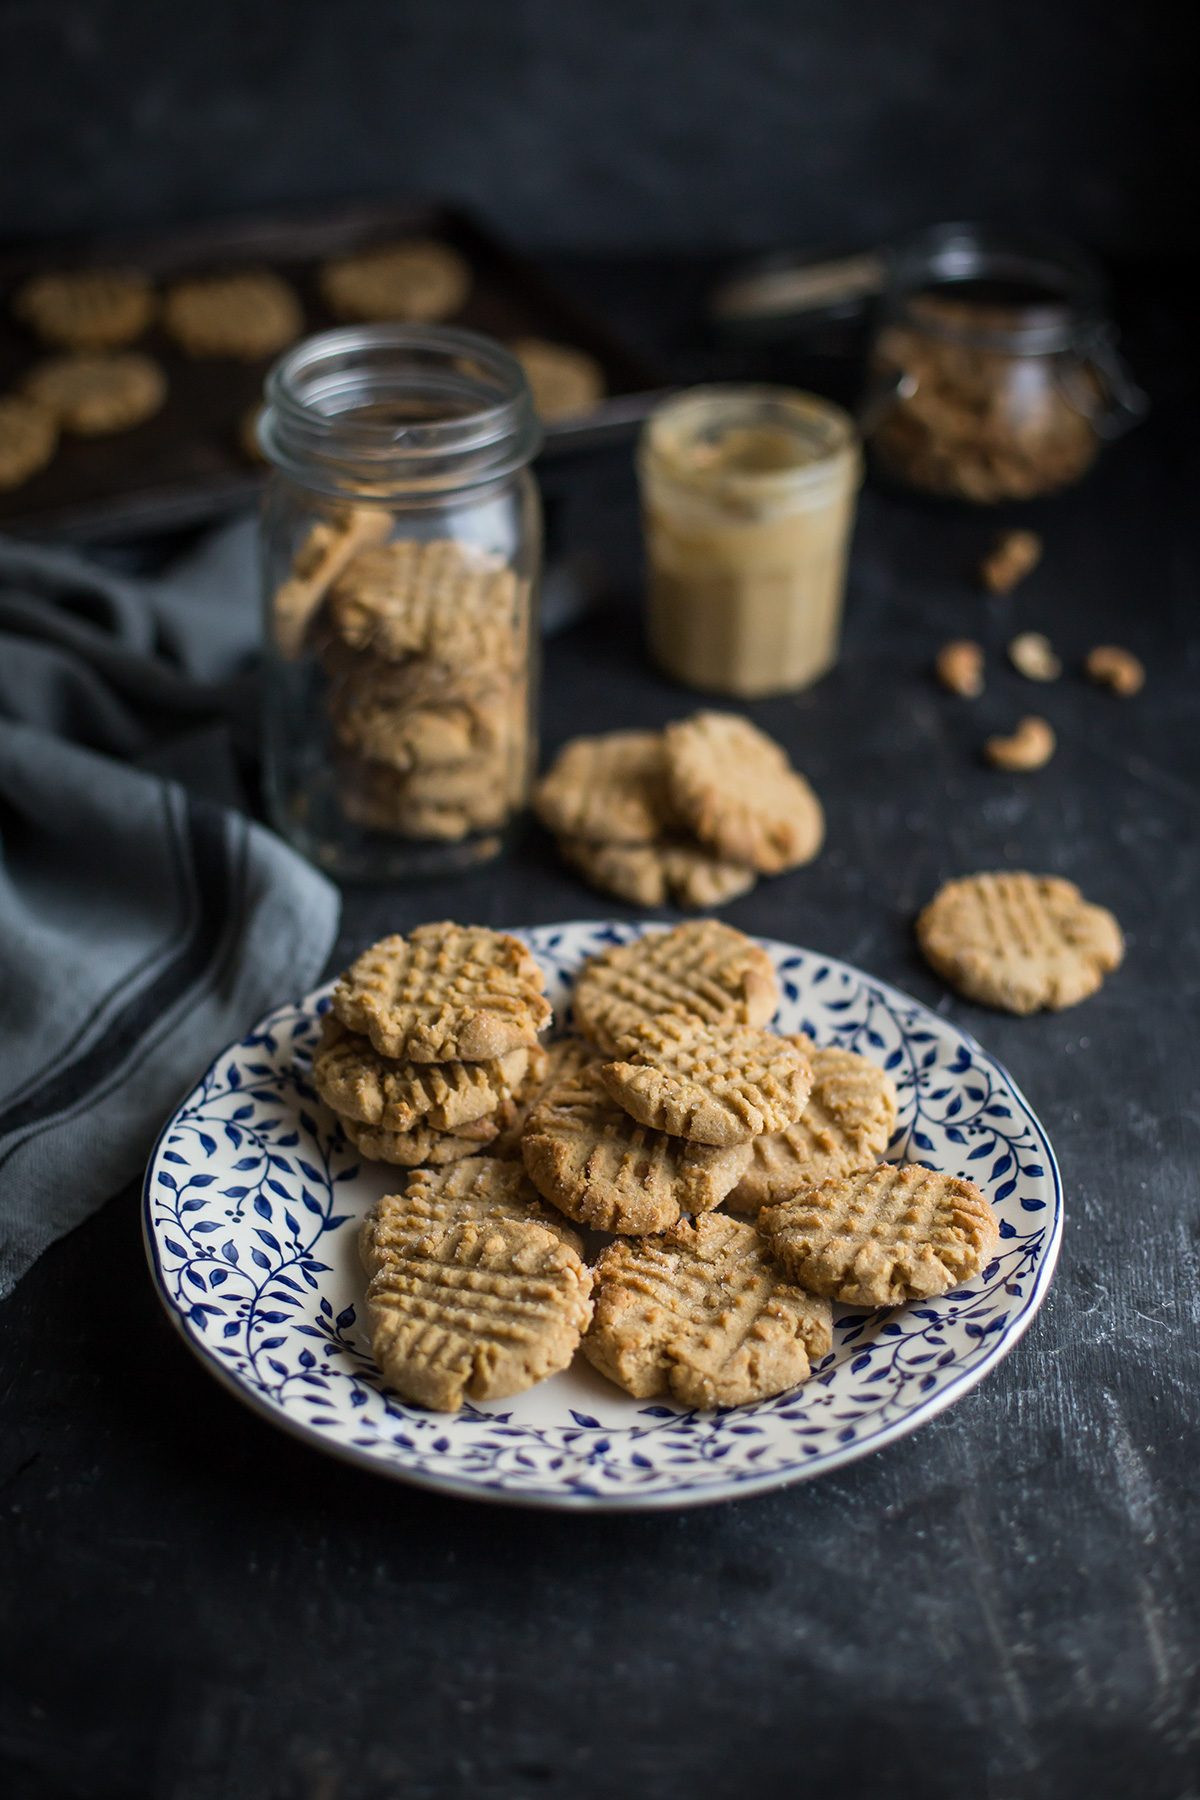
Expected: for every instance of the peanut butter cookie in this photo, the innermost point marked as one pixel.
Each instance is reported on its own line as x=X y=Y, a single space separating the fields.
x=248 y=314
x=672 y=870
x=705 y=970
x=436 y=599
x=327 y=548
x=418 y=280
x=606 y=790
x=702 y=1314
x=846 y=1125
x=445 y=993
x=883 y=1236
x=589 y=1158
x=358 y=1083
x=86 y=309
x=736 y=790
x=1019 y=941
x=422 y=1145
x=558 y=1062
x=563 y=381
x=476 y=1189
x=477 y=1310
x=28 y=436
x=94 y=395
x=710 y=1084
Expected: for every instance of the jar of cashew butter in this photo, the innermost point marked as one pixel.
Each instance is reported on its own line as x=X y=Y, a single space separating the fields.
x=748 y=497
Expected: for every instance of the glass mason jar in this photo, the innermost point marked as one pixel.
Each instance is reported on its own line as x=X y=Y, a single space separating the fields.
x=993 y=373
x=401 y=556
x=748 y=497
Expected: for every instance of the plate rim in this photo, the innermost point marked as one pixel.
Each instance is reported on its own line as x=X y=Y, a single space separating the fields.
x=667 y=1499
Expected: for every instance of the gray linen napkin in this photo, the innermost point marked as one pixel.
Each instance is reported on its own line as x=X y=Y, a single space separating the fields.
x=144 y=920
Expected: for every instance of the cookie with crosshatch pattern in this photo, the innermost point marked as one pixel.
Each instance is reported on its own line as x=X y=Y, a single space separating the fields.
x=477 y=1309
x=704 y=1315
x=711 y=1084
x=86 y=309
x=358 y=1083
x=445 y=993
x=736 y=790
x=884 y=1235
x=478 y=1188
x=1019 y=941
x=704 y=970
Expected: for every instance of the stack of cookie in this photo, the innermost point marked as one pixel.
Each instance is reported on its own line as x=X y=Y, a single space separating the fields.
x=430 y=1043
x=692 y=815
x=425 y=646
x=673 y=1099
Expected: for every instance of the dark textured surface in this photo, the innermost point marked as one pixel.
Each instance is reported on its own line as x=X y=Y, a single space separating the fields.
x=1003 y=1605
x=607 y=123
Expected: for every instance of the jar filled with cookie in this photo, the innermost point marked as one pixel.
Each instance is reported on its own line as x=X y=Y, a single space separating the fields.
x=993 y=373
x=401 y=556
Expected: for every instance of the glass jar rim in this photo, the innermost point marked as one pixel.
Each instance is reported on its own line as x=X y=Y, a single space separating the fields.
x=317 y=427
x=680 y=420
x=1070 y=310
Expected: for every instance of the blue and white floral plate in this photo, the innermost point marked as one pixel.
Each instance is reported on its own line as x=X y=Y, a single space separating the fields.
x=252 y=1199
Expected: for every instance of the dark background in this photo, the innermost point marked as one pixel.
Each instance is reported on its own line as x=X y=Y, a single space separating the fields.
x=609 y=124
x=1003 y=1606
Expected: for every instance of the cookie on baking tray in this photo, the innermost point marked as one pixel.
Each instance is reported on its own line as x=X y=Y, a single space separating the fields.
x=477 y=1309
x=86 y=309
x=598 y=1165
x=418 y=280
x=704 y=1315
x=705 y=970
x=736 y=790
x=1019 y=941
x=445 y=992
x=709 y=1084
x=245 y=315
x=92 y=395
x=564 y=381
x=28 y=437
x=884 y=1235
x=846 y=1124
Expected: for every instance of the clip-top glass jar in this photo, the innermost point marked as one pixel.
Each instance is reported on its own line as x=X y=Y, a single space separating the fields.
x=993 y=373
x=401 y=557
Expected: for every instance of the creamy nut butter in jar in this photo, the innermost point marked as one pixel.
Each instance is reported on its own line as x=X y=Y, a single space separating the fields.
x=748 y=497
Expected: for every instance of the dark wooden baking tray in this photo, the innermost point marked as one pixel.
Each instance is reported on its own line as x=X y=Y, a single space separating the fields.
x=186 y=464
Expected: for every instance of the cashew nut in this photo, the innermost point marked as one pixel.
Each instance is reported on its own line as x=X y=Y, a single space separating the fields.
x=1011 y=558
x=959 y=667
x=1032 y=655
x=1031 y=746
x=1115 y=668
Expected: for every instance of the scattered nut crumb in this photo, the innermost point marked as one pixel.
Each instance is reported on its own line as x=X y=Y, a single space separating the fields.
x=959 y=667
x=1032 y=655
x=1010 y=559
x=1115 y=668
x=1031 y=746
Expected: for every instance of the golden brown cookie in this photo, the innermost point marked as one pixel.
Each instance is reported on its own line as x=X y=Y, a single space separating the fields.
x=670 y=870
x=438 y=599
x=477 y=1188
x=606 y=790
x=379 y=798
x=86 y=309
x=558 y=1062
x=704 y=969
x=883 y=1236
x=93 y=395
x=477 y=1310
x=703 y=1315
x=437 y=734
x=564 y=381
x=712 y=1084
x=736 y=790
x=358 y=1083
x=1019 y=941
x=423 y=1146
x=324 y=551
x=28 y=436
x=418 y=280
x=846 y=1125
x=248 y=314
x=590 y=1159
x=445 y=993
